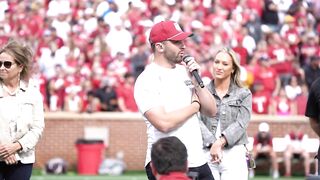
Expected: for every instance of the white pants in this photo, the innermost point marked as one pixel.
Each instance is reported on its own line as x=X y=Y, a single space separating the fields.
x=232 y=166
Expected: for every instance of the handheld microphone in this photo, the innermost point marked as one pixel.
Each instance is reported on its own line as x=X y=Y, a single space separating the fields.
x=188 y=58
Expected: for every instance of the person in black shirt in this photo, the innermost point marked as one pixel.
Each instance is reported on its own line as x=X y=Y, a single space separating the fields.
x=312 y=70
x=107 y=96
x=313 y=109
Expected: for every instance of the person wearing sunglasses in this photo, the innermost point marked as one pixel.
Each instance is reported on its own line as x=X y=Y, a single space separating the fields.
x=169 y=98
x=21 y=113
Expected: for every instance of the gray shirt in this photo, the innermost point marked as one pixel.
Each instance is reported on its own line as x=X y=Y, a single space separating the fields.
x=234 y=114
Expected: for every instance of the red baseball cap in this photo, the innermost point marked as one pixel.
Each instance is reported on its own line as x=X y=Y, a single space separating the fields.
x=167 y=30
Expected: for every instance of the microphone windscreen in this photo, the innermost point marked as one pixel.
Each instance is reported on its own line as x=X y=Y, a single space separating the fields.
x=186 y=58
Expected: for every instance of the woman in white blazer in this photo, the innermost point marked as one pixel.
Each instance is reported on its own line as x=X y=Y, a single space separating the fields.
x=21 y=113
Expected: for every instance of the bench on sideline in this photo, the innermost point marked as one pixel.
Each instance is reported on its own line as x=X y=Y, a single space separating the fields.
x=279 y=144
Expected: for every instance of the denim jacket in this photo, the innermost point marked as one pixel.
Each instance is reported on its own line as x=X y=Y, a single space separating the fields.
x=234 y=113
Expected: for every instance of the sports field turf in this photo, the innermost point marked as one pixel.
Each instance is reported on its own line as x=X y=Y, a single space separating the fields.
x=127 y=176
x=135 y=177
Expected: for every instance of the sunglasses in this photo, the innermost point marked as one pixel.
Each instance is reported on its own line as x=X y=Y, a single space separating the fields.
x=6 y=64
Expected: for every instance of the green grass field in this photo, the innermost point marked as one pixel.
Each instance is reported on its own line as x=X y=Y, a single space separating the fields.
x=136 y=177
x=124 y=177
x=133 y=175
x=129 y=177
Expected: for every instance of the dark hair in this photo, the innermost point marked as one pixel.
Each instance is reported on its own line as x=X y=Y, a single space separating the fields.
x=153 y=46
x=169 y=154
x=22 y=55
x=314 y=58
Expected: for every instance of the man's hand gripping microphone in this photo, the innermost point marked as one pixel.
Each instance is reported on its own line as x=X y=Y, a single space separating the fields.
x=188 y=58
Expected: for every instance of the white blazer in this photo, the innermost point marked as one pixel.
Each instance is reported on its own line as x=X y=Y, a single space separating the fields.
x=29 y=118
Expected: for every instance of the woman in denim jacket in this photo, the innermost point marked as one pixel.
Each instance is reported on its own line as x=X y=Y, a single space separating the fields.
x=225 y=135
x=21 y=113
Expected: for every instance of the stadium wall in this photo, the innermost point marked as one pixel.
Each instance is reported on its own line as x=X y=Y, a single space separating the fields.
x=127 y=133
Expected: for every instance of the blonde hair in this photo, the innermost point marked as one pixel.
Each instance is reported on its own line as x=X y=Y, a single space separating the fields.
x=235 y=76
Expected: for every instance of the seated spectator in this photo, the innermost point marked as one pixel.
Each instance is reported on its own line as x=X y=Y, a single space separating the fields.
x=72 y=101
x=296 y=140
x=263 y=148
x=301 y=100
x=260 y=99
x=91 y=103
x=312 y=70
x=267 y=75
x=293 y=89
x=282 y=105
x=107 y=95
x=281 y=57
x=124 y=93
x=309 y=49
x=169 y=159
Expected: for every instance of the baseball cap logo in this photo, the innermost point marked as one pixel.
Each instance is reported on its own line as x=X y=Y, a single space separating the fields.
x=176 y=25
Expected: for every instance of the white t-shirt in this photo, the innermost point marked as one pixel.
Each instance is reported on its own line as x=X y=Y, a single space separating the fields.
x=171 y=88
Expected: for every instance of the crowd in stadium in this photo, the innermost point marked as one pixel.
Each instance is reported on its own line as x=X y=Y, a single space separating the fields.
x=88 y=53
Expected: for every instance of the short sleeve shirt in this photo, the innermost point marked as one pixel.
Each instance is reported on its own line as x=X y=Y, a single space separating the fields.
x=313 y=104
x=172 y=89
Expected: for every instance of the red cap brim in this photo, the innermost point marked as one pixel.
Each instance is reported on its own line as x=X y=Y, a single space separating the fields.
x=180 y=36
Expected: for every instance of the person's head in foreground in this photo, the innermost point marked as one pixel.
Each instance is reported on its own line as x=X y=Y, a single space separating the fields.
x=168 y=155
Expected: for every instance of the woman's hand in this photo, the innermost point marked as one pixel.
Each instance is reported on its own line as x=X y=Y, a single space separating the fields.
x=10 y=160
x=216 y=150
x=8 y=149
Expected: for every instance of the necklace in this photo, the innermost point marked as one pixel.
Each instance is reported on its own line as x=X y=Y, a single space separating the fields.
x=11 y=93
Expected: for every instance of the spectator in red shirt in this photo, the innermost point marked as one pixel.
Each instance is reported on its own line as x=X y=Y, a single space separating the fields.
x=263 y=147
x=4 y=38
x=242 y=52
x=91 y=103
x=255 y=5
x=268 y=76
x=309 y=48
x=125 y=97
x=290 y=33
x=260 y=99
x=301 y=100
x=101 y=31
x=281 y=57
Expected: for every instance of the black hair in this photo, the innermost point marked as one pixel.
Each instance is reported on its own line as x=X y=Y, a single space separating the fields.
x=169 y=154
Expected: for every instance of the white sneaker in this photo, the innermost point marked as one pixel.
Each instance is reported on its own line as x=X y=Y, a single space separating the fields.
x=275 y=175
x=251 y=173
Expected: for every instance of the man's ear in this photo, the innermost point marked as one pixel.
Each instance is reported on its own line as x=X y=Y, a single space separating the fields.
x=160 y=46
x=153 y=170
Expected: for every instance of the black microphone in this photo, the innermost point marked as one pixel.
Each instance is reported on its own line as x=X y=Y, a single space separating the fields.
x=195 y=73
